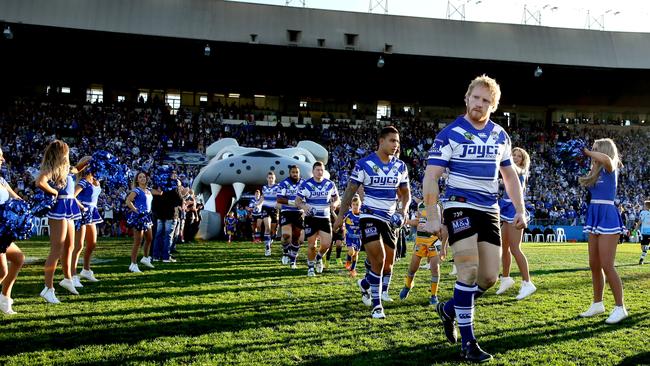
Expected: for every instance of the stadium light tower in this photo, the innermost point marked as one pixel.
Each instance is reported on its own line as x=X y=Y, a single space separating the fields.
x=534 y=15
x=457 y=8
x=288 y=2
x=378 y=4
x=598 y=22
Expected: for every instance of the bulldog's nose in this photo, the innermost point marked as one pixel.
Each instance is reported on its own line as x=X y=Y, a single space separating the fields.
x=262 y=154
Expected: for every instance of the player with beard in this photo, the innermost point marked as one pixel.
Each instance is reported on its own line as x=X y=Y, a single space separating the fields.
x=291 y=220
x=474 y=150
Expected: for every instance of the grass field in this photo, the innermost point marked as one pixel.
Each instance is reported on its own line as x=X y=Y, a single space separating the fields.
x=228 y=304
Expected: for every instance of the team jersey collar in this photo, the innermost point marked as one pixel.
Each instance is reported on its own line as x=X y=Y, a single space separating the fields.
x=386 y=167
x=473 y=133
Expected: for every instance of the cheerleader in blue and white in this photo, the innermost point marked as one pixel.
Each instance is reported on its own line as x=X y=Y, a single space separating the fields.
x=55 y=179
x=604 y=225
x=511 y=236
x=9 y=252
x=87 y=192
x=139 y=202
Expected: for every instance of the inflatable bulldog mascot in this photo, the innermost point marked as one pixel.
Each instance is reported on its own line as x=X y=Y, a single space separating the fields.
x=234 y=169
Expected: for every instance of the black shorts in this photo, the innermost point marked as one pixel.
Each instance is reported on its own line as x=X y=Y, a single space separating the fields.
x=270 y=212
x=464 y=222
x=373 y=229
x=293 y=218
x=315 y=224
x=645 y=239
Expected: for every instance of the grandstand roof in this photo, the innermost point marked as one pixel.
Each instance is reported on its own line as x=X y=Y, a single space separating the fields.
x=225 y=21
x=80 y=57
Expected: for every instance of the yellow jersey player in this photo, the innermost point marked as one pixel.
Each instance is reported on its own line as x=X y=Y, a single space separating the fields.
x=427 y=246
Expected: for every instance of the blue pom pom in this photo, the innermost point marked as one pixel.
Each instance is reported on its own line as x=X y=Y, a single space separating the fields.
x=42 y=203
x=15 y=221
x=106 y=167
x=140 y=221
x=162 y=179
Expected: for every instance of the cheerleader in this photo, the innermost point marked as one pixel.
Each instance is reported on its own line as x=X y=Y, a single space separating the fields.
x=9 y=252
x=511 y=236
x=55 y=179
x=139 y=202
x=87 y=192
x=604 y=226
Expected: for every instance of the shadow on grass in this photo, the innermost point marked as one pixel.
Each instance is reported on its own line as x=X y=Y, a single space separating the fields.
x=639 y=359
x=176 y=320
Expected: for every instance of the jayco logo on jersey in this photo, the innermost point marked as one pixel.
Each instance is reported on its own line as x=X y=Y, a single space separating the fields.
x=460 y=224
x=317 y=194
x=480 y=151
x=384 y=181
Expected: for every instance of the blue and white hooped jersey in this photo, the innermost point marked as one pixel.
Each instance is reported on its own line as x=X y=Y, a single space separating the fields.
x=289 y=190
x=644 y=218
x=352 y=229
x=473 y=158
x=270 y=194
x=319 y=195
x=604 y=191
x=254 y=205
x=380 y=184
x=89 y=193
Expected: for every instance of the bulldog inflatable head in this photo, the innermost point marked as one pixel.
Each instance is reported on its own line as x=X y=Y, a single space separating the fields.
x=233 y=168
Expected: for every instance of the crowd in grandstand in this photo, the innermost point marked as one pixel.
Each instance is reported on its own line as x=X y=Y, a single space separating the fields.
x=142 y=134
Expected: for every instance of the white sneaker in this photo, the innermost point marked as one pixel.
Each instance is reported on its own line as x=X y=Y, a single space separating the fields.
x=146 y=261
x=365 y=295
x=48 y=295
x=89 y=275
x=527 y=289
x=378 y=312
x=619 y=313
x=319 y=266
x=454 y=271
x=5 y=305
x=294 y=266
x=134 y=268
x=285 y=259
x=504 y=284
x=311 y=273
x=76 y=282
x=267 y=252
x=68 y=285
x=385 y=297
x=595 y=309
